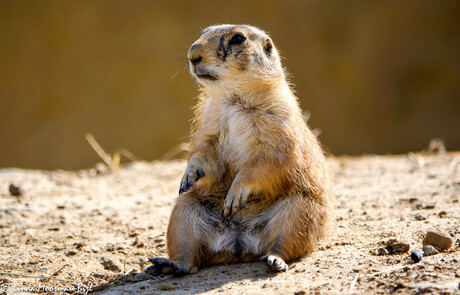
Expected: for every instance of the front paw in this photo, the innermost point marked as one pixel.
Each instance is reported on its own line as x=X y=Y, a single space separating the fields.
x=235 y=198
x=191 y=176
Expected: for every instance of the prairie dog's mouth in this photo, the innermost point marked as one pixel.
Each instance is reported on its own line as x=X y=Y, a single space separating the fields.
x=202 y=73
x=207 y=77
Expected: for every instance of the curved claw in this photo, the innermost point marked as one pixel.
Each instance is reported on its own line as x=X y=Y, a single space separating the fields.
x=191 y=176
x=228 y=207
x=226 y=218
x=263 y=258
x=234 y=201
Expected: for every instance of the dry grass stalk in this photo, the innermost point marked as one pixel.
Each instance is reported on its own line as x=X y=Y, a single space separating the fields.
x=183 y=147
x=112 y=162
x=126 y=258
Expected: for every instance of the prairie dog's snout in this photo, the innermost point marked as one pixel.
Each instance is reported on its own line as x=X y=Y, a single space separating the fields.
x=194 y=53
x=198 y=68
x=194 y=56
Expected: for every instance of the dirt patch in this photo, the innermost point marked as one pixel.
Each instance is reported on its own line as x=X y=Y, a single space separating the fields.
x=85 y=230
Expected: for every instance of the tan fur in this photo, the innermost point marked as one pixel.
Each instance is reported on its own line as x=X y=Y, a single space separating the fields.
x=265 y=189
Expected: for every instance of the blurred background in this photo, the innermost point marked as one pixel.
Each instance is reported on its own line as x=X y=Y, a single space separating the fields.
x=377 y=76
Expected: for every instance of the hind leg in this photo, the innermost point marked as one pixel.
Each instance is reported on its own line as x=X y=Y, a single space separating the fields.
x=192 y=226
x=293 y=227
x=275 y=262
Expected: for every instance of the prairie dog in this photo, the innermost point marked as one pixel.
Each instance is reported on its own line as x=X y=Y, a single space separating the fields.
x=256 y=185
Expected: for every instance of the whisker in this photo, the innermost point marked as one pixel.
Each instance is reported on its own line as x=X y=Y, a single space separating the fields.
x=181 y=57
x=196 y=24
x=176 y=73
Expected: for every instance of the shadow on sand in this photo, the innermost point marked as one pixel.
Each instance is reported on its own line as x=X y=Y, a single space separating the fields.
x=207 y=279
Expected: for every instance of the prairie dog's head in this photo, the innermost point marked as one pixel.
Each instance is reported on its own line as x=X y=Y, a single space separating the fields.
x=231 y=55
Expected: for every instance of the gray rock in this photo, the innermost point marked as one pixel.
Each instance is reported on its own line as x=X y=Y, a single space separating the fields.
x=429 y=250
x=440 y=240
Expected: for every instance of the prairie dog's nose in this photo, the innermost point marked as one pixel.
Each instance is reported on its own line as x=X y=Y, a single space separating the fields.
x=194 y=53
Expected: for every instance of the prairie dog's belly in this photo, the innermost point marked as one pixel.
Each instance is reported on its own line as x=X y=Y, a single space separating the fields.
x=248 y=232
x=237 y=137
x=241 y=235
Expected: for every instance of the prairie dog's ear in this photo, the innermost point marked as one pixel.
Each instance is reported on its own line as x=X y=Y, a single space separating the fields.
x=268 y=46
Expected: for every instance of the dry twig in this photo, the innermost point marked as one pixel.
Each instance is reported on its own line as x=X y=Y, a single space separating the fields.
x=355 y=280
x=45 y=280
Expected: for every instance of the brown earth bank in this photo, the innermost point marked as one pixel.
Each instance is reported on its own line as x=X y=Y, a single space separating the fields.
x=68 y=232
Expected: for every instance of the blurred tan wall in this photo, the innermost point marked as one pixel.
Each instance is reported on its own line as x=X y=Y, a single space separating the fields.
x=377 y=76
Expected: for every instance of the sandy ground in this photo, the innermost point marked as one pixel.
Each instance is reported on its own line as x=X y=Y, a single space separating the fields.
x=91 y=229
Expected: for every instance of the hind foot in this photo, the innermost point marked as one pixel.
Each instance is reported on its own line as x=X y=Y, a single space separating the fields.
x=275 y=262
x=167 y=267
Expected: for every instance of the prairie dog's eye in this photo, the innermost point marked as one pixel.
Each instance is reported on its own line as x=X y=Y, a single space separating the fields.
x=237 y=39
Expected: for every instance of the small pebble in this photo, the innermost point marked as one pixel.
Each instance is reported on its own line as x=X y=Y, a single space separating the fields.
x=142 y=276
x=429 y=250
x=440 y=240
x=383 y=251
x=419 y=216
x=100 y=287
x=428 y=207
x=79 y=245
x=416 y=256
x=15 y=191
x=100 y=275
x=167 y=287
x=110 y=264
x=395 y=246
